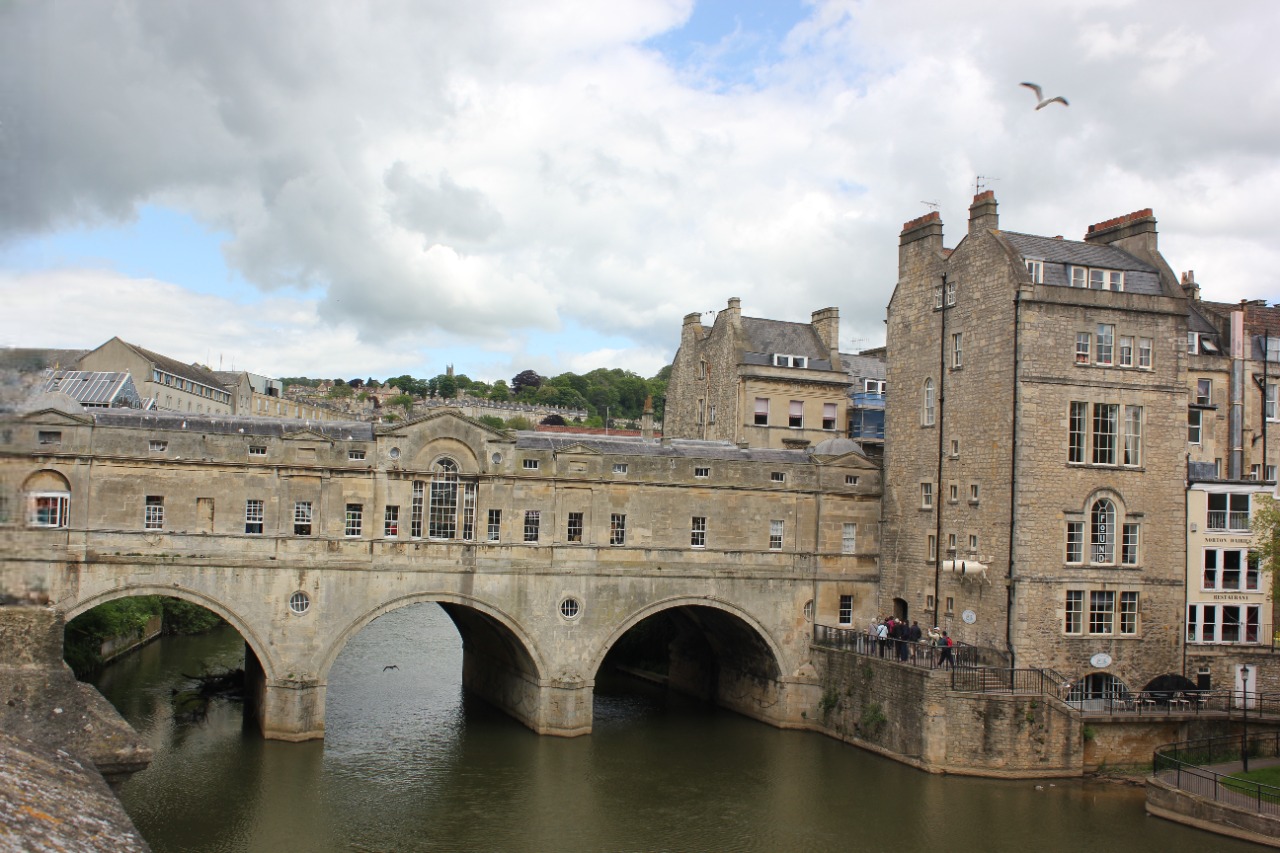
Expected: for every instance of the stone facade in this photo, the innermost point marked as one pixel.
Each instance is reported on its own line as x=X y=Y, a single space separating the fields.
x=1033 y=473
x=543 y=547
x=170 y=384
x=759 y=383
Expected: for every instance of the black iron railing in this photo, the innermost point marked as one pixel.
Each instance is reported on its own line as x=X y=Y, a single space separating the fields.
x=1188 y=767
x=923 y=654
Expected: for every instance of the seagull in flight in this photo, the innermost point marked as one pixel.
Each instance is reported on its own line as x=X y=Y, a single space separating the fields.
x=1044 y=102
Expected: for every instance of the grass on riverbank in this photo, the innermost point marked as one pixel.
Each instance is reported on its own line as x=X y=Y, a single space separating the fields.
x=1247 y=783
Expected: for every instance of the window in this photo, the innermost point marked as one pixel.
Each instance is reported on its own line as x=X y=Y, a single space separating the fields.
x=1105 y=423
x=449 y=510
x=1230 y=569
x=1228 y=512
x=531 y=521
x=937 y=296
x=951 y=544
x=1204 y=392
x=1193 y=426
x=1126 y=351
x=795 y=414
x=1102 y=609
x=931 y=547
x=776 y=528
x=153 y=513
x=257 y=450
x=302 y=518
x=1036 y=269
x=49 y=436
x=574 y=533
x=354 y=521
x=1144 y=353
x=1106 y=341
x=951 y=604
x=1074 y=621
x=828 y=415
x=926 y=495
x=1097 y=279
x=1084 y=341
x=530 y=464
x=1075 y=541
x=617 y=529
x=1193 y=343
x=1270 y=472
x=702 y=473
x=355 y=455
x=157 y=446
x=1129 y=544
x=973 y=542
x=790 y=361
x=1239 y=623
x=711 y=418
x=1272 y=404
x=253 y=515
x=620 y=467
x=927 y=410
x=850 y=479
x=416 y=507
x=777 y=476
x=846 y=610
x=50 y=509
x=873 y=386
x=1132 y=435
x=391 y=521
x=698 y=532
x=953 y=493
x=1128 y=613
x=1075 y=432
x=951 y=293
x=955 y=448
x=957 y=354
x=849 y=538
x=973 y=493
x=1102 y=536
x=762 y=411
x=494 y=526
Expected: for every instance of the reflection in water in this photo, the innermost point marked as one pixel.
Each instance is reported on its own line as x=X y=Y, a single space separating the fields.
x=411 y=764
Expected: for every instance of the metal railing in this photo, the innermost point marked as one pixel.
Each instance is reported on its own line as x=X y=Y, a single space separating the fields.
x=960 y=656
x=1184 y=765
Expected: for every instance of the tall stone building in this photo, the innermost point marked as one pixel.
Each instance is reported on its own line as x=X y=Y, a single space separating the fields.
x=1035 y=446
x=759 y=383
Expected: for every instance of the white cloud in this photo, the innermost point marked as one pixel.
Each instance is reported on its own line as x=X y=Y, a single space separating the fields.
x=453 y=175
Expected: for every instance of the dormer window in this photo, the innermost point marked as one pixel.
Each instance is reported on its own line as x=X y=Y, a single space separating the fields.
x=1097 y=279
x=790 y=361
x=1036 y=269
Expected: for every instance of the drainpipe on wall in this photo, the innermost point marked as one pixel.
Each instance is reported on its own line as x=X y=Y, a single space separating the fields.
x=1013 y=480
x=1235 y=418
x=937 y=491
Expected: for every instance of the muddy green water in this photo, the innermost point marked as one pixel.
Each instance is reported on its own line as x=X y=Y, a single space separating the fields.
x=411 y=764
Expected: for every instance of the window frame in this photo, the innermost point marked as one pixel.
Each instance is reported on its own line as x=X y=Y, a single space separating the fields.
x=777 y=533
x=353 y=520
x=532 y=525
x=493 y=525
x=391 y=521
x=849 y=537
x=574 y=527
x=698 y=531
x=303 y=518
x=617 y=529
x=255 y=516
x=153 y=512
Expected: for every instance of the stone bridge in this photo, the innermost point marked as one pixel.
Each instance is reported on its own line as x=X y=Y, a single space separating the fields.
x=544 y=550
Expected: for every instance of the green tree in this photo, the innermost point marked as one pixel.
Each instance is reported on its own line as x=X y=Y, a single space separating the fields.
x=446 y=386
x=525 y=379
x=1266 y=528
x=404 y=401
x=492 y=421
x=501 y=392
x=519 y=422
x=340 y=392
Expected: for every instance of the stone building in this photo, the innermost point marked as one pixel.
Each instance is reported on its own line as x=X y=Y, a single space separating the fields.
x=1233 y=354
x=171 y=384
x=255 y=395
x=1035 y=446
x=757 y=382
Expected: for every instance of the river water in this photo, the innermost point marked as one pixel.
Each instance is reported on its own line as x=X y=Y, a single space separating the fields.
x=410 y=763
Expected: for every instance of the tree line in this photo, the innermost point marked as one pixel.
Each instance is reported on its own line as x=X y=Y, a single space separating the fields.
x=619 y=393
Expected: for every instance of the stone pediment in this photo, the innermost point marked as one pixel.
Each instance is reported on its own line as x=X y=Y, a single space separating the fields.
x=305 y=434
x=577 y=449
x=853 y=459
x=56 y=417
x=448 y=419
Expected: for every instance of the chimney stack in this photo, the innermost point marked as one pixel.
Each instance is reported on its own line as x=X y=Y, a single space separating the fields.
x=826 y=322
x=982 y=213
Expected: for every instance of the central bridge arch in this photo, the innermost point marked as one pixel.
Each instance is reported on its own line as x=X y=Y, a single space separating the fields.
x=500 y=661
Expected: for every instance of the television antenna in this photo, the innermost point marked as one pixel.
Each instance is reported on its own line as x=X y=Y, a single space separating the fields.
x=932 y=205
x=981 y=182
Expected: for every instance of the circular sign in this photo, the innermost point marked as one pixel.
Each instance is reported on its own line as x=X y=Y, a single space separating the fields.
x=1101 y=660
x=969 y=617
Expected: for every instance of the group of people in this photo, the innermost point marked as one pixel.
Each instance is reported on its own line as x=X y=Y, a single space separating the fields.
x=893 y=637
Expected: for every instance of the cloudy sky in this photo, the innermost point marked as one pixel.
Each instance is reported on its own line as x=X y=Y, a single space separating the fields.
x=332 y=188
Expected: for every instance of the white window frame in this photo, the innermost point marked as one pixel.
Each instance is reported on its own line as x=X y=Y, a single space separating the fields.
x=353 y=520
x=254 y=516
x=303 y=518
x=620 y=467
x=795 y=414
x=1105 y=340
x=617 y=529
x=777 y=532
x=1084 y=348
x=845 y=615
x=698 y=531
x=1073 y=612
x=701 y=473
x=830 y=413
x=391 y=521
x=153 y=513
x=530 y=464
x=574 y=527
x=928 y=411
x=1195 y=426
x=1146 y=347
x=849 y=538
x=957 y=350
x=1125 y=353
x=761 y=417
x=1035 y=267
x=532 y=524
x=926 y=495
x=1204 y=392
x=493 y=525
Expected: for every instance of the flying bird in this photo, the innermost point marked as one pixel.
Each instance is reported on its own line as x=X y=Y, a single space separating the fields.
x=1043 y=101
x=389 y=666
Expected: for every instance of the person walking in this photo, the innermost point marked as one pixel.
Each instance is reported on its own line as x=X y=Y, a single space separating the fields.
x=882 y=637
x=913 y=637
x=945 y=644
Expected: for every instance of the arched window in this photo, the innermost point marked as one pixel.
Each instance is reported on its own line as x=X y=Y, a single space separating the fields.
x=453 y=503
x=927 y=412
x=1102 y=531
x=48 y=498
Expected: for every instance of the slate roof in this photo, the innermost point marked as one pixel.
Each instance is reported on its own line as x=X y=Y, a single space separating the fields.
x=34 y=360
x=862 y=366
x=680 y=448
x=233 y=425
x=766 y=338
x=1140 y=276
x=171 y=365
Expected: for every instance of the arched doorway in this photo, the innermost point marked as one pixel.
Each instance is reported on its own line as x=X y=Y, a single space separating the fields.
x=1098 y=691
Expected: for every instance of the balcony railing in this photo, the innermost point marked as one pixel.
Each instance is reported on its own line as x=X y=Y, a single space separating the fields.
x=868 y=400
x=1223 y=520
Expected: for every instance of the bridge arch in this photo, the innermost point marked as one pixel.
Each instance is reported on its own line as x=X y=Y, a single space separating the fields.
x=511 y=639
x=71 y=608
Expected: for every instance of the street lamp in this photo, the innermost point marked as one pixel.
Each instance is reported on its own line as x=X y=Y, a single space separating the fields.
x=1244 y=738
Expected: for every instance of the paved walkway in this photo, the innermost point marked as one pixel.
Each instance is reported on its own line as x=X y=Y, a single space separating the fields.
x=1209 y=786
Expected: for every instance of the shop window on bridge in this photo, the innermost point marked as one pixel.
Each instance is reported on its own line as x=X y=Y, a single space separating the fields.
x=48 y=498
x=1228 y=512
x=452 y=513
x=1097 y=691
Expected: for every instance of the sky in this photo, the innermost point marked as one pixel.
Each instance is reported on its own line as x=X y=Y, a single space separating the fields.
x=338 y=189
